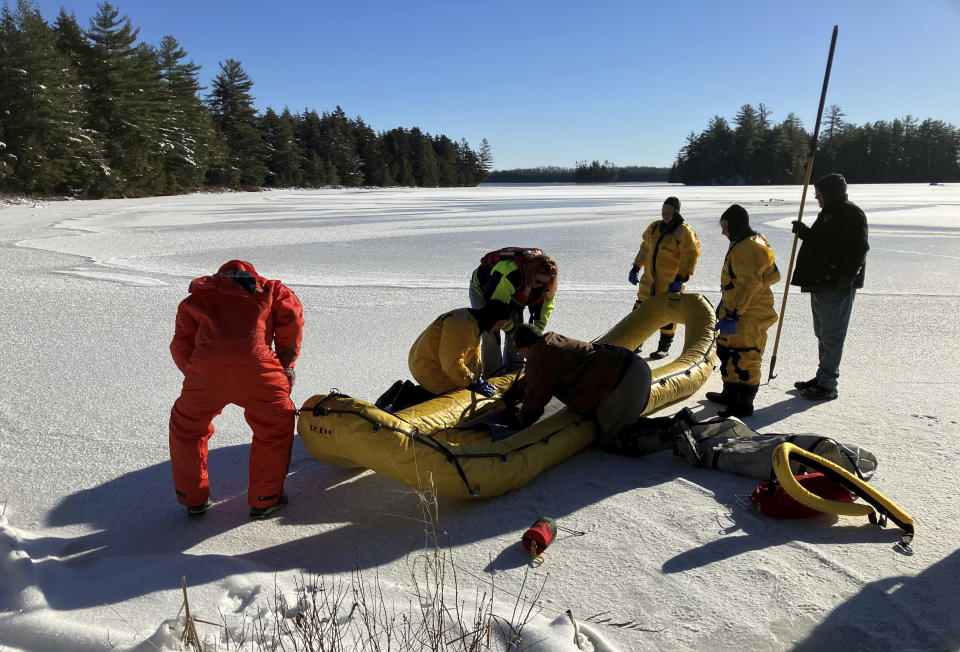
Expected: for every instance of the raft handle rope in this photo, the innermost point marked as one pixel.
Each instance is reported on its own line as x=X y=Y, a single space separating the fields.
x=689 y=370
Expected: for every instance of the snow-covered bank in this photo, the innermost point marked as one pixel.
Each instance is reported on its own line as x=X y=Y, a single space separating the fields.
x=93 y=544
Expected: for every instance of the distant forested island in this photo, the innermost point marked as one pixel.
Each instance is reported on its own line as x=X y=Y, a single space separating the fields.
x=593 y=172
x=758 y=151
x=93 y=113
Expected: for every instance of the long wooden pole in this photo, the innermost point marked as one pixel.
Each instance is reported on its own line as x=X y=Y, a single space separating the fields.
x=803 y=198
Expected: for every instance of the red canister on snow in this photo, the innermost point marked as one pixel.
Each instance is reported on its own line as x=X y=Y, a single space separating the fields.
x=540 y=534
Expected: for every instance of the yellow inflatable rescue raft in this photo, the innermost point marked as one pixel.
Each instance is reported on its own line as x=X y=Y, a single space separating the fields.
x=427 y=447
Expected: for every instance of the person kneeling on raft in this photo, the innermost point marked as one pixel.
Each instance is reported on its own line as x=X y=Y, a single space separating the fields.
x=446 y=356
x=609 y=383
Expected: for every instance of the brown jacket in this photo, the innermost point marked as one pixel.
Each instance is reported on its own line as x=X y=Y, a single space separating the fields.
x=579 y=374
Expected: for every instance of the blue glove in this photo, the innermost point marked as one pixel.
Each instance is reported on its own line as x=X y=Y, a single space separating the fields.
x=634 y=275
x=727 y=326
x=480 y=386
x=676 y=285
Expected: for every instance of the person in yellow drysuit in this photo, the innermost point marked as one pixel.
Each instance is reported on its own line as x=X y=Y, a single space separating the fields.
x=668 y=257
x=745 y=312
x=446 y=356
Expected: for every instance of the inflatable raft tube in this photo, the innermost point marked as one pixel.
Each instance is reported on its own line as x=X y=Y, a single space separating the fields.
x=427 y=448
x=876 y=500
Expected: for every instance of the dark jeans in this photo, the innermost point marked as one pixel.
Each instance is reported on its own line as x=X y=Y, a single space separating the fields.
x=626 y=403
x=831 y=316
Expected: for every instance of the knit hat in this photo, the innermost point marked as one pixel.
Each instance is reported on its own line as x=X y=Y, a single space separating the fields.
x=832 y=187
x=738 y=221
x=673 y=201
x=525 y=335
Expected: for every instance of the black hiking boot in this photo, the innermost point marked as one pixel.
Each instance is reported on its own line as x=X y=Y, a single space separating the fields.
x=818 y=393
x=196 y=511
x=805 y=384
x=663 y=348
x=257 y=513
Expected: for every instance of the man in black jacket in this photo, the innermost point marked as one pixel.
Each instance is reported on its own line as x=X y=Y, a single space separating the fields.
x=830 y=266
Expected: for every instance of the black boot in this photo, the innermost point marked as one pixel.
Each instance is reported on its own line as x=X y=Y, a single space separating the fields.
x=663 y=348
x=724 y=397
x=642 y=437
x=742 y=405
x=684 y=443
x=388 y=397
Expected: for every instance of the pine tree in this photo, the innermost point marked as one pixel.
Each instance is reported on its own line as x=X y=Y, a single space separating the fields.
x=190 y=144
x=791 y=145
x=486 y=159
x=719 y=146
x=396 y=145
x=373 y=164
x=833 y=122
x=469 y=168
x=423 y=160
x=285 y=159
x=746 y=137
x=447 y=158
x=340 y=147
x=72 y=43
x=46 y=149
x=124 y=103
x=231 y=104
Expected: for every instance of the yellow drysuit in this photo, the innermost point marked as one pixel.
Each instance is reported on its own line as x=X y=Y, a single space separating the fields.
x=748 y=272
x=446 y=356
x=665 y=253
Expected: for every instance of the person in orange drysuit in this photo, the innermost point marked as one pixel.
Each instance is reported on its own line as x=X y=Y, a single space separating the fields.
x=237 y=337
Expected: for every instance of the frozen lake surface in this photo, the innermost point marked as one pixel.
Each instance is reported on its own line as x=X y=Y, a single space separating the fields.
x=93 y=543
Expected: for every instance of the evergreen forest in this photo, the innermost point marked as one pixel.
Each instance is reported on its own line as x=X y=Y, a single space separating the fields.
x=90 y=112
x=755 y=150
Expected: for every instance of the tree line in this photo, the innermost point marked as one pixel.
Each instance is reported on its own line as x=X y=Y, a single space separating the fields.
x=92 y=112
x=593 y=172
x=755 y=150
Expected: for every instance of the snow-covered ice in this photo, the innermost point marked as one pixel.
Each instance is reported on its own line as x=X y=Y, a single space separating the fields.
x=93 y=543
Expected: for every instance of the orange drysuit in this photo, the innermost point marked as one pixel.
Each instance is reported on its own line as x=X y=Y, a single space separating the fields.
x=235 y=335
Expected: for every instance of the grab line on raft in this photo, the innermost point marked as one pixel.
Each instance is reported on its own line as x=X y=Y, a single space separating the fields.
x=689 y=370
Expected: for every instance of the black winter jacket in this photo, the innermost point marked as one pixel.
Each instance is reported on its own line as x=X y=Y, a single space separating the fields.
x=834 y=250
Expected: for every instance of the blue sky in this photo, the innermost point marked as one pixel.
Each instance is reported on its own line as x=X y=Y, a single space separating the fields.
x=550 y=82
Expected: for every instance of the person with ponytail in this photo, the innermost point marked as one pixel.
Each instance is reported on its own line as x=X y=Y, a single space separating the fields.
x=745 y=311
